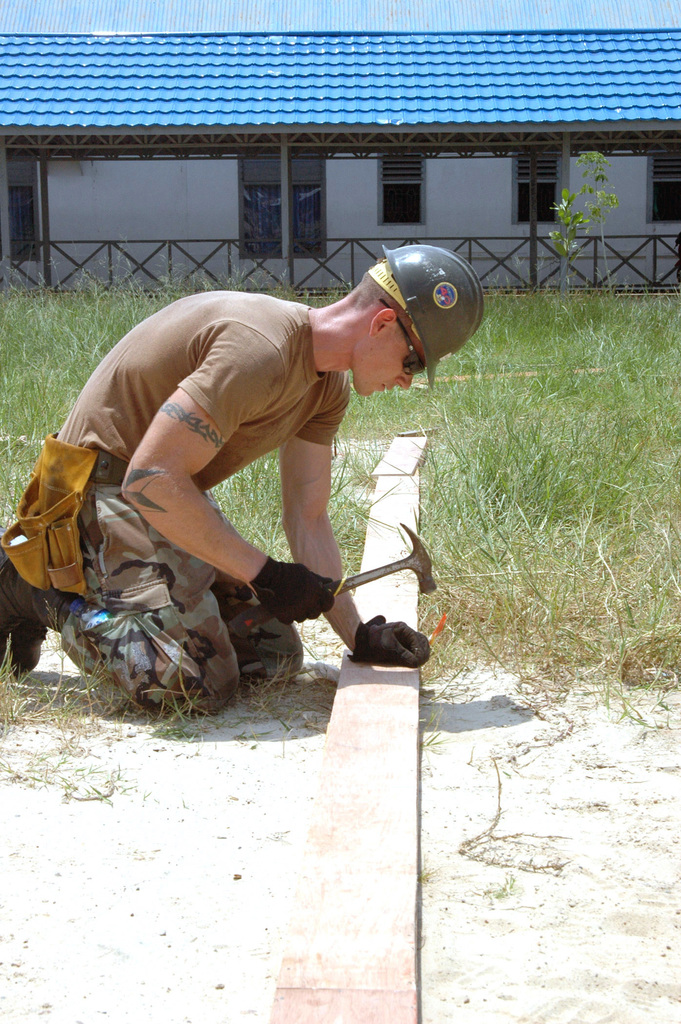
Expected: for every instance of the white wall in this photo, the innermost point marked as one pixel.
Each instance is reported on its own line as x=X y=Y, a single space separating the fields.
x=131 y=200
x=198 y=199
x=351 y=198
x=126 y=199
x=462 y=197
x=469 y=196
x=627 y=177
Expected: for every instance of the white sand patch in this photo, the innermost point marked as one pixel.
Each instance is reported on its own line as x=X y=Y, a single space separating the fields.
x=568 y=910
x=148 y=873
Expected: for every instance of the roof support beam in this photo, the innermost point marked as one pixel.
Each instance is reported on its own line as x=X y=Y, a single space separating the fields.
x=286 y=209
x=329 y=142
x=45 y=221
x=5 y=241
x=564 y=184
x=533 y=218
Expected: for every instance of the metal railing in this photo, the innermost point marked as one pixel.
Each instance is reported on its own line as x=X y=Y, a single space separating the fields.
x=639 y=262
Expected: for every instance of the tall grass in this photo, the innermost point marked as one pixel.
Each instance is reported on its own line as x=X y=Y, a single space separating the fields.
x=550 y=494
x=553 y=499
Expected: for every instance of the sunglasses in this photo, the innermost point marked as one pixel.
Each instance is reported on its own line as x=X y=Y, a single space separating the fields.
x=412 y=363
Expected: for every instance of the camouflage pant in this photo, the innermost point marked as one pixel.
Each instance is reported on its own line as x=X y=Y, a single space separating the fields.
x=149 y=619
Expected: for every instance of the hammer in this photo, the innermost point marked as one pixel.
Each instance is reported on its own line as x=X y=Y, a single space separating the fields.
x=418 y=561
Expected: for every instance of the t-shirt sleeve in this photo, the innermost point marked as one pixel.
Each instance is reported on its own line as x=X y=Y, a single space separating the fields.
x=322 y=427
x=236 y=367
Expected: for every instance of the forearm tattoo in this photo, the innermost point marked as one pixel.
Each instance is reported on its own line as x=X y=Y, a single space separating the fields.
x=194 y=422
x=137 y=482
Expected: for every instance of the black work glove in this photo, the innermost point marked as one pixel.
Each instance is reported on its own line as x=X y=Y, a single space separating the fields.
x=289 y=590
x=390 y=643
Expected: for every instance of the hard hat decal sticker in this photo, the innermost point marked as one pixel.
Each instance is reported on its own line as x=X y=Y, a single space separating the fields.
x=445 y=295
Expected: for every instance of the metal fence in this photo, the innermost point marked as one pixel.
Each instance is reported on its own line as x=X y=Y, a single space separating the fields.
x=636 y=262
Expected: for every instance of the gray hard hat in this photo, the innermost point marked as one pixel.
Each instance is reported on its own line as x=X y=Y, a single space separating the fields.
x=442 y=294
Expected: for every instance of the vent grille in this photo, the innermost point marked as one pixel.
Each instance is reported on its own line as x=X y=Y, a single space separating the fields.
x=667 y=167
x=547 y=168
x=399 y=170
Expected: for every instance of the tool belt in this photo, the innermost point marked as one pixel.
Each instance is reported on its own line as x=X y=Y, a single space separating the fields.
x=44 y=543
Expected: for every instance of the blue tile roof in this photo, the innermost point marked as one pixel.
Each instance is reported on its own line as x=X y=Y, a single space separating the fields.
x=339 y=79
x=328 y=16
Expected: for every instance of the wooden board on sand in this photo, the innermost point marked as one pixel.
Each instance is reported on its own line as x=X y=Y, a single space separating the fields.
x=351 y=954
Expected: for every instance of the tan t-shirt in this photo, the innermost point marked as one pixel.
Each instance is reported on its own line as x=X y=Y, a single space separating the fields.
x=246 y=359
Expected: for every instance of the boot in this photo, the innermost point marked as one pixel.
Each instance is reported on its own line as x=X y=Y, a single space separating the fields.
x=25 y=615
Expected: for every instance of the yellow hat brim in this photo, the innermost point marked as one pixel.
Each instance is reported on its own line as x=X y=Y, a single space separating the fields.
x=383 y=276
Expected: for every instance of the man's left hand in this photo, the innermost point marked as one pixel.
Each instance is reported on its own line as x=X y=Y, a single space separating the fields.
x=390 y=643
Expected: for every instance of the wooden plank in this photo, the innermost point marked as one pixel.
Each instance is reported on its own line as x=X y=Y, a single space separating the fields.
x=403 y=457
x=354 y=926
x=332 y=1006
x=396 y=596
x=352 y=948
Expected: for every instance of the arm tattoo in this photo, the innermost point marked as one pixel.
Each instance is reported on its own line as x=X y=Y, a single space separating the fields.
x=194 y=422
x=136 y=494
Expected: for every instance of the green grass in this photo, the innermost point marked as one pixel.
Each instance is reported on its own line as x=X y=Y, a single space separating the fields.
x=550 y=494
x=553 y=499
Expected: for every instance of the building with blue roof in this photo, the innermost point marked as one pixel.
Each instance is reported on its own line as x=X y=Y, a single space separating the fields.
x=266 y=135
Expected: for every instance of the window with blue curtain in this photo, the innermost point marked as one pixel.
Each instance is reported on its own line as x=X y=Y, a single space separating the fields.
x=23 y=185
x=21 y=221
x=262 y=219
x=261 y=206
x=307 y=219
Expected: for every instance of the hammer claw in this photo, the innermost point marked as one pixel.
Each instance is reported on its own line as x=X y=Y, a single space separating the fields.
x=418 y=561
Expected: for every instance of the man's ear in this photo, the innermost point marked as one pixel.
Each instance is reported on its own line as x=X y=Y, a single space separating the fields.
x=381 y=319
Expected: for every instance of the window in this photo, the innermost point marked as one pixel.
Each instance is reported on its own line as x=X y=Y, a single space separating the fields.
x=22 y=180
x=547 y=187
x=664 y=192
x=261 y=206
x=401 y=188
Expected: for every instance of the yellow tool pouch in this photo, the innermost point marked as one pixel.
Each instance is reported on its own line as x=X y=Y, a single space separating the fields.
x=47 y=517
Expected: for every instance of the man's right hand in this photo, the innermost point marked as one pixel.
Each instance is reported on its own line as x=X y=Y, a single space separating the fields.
x=289 y=590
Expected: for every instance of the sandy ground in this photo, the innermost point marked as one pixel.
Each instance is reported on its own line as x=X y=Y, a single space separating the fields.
x=148 y=870
x=552 y=859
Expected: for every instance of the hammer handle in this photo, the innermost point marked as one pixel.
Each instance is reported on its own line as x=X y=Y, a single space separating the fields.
x=360 y=578
x=256 y=615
